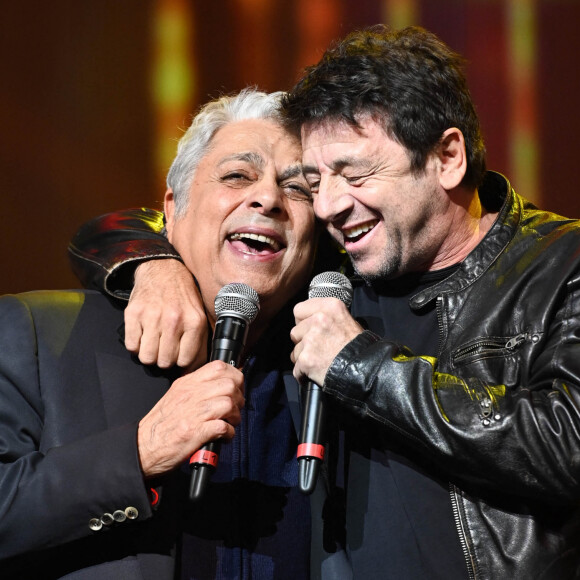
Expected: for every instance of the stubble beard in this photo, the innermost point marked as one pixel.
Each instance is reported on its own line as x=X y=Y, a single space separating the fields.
x=387 y=268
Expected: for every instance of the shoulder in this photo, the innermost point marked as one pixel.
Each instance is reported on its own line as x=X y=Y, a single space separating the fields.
x=57 y=309
x=59 y=301
x=549 y=227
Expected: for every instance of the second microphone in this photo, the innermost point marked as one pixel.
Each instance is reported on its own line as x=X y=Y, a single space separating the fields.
x=311 y=448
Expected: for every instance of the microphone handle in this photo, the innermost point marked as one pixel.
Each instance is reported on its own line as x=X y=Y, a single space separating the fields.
x=227 y=345
x=311 y=454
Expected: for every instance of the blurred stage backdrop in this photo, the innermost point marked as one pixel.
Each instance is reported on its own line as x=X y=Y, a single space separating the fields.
x=94 y=95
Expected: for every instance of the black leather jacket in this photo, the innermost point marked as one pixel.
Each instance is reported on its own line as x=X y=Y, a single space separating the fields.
x=499 y=408
x=106 y=250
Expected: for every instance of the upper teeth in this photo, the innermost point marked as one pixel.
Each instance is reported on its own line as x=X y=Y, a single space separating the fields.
x=358 y=230
x=258 y=237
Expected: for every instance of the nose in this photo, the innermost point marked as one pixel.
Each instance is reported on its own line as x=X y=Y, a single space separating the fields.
x=266 y=197
x=332 y=202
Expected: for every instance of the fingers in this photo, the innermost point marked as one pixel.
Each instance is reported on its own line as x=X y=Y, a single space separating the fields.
x=193 y=349
x=165 y=320
x=323 y=327
x=198 y=408
x=133 y=332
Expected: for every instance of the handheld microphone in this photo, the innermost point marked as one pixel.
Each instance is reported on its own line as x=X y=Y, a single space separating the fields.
x=236 y=306
x=311 y=448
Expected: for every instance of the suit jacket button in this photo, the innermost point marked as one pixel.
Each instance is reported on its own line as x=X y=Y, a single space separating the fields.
x=132 y=513
x=95 y=524
x=119 y=516
x=107 y=519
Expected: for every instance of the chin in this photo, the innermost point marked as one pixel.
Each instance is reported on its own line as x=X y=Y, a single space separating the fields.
x=370 y=273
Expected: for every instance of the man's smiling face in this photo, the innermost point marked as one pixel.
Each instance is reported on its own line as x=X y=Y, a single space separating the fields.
x=387 y=217
x=249 y=218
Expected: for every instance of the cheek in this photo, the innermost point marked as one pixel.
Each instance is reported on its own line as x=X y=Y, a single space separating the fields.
x=304 y=228
x=191 y=238
x=305 y=260
x=336 y=234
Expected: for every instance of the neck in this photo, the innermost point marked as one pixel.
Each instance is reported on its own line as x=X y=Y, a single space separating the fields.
x=469 y=224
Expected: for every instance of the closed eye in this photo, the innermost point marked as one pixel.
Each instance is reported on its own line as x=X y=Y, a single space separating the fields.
x=355 y=179
x=313 y=184
x=235 y=177
x=297 y=191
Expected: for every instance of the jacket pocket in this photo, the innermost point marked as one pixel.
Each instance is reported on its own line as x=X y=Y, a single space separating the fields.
x=490 y=347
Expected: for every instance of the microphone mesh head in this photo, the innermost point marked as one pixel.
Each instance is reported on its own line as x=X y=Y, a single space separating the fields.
x=237 y=300
x=331 y=285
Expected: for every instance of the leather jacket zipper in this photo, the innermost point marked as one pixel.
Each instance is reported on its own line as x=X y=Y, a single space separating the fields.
x=457 y=516
x=461 y=532
x=489 y=346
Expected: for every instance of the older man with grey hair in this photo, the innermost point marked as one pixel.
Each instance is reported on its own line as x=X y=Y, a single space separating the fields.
x=94 y=444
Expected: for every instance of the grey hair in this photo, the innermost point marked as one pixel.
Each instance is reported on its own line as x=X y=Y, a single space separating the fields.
x=196 y=141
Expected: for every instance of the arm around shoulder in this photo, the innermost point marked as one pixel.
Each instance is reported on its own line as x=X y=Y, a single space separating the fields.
x=106 y=250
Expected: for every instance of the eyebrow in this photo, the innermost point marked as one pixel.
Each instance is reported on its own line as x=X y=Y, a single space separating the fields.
x=247 y=156
x=310 y=170
x=292 y=171
x=257 y=160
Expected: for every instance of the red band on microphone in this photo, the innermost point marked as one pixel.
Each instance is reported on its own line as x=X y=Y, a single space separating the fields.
x=310 y=450
x=204 y=456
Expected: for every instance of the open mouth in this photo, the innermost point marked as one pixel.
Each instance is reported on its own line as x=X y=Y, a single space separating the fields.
x=354 y=234
x=255 y=244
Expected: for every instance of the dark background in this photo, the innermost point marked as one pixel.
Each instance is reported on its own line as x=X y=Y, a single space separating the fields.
x=82 y=125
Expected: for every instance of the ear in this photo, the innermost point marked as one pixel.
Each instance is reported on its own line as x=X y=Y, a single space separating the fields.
x=452 y=158
x=169 y=209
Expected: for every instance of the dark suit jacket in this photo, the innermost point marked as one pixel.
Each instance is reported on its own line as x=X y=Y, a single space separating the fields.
x=71 y=397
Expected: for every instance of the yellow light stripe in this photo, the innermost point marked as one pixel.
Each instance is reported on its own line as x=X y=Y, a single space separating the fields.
x=522 y=57
x=172 y=76
x=400 y=13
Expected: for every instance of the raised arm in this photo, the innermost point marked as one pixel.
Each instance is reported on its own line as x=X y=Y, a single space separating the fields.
x=126 y=255
x=106 y=250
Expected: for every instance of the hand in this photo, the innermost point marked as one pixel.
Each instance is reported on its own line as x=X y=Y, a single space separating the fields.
x=323 y=328
x=165 y=321
x=198 y=408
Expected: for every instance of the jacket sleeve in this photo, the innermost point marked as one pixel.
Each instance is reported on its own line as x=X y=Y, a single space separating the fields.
x=518 y=434
x=106 y=250
x=49 y=496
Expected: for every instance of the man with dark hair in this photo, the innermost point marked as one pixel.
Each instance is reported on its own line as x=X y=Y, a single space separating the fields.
x=465 y=385
x=453 y=384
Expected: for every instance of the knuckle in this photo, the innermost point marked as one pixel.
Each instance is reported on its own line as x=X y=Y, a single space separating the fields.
x=195 y=318
x=319 y=317
x=184 y=430
x=172 y=319
x=219 y=367
x=136 y=309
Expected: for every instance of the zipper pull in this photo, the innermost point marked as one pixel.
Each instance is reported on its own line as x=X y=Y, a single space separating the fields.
x=515 y=341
